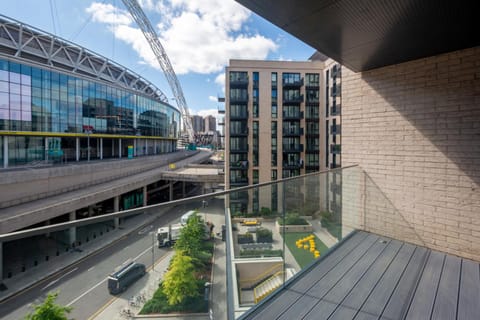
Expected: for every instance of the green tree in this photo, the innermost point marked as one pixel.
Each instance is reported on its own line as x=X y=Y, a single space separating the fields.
x=179 y=282
x=49 y=310
x=191 y=237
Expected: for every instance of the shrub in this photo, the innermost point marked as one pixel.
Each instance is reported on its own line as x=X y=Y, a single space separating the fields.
x=264 y=252
x=292 y=219
x=264 y=235
x=245 y=238
x=265 y=212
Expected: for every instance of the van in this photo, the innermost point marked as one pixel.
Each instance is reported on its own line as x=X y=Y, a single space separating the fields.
x=125 y=276
x=186 y=216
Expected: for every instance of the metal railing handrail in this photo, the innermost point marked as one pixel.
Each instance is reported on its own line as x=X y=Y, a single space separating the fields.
x=125 y=213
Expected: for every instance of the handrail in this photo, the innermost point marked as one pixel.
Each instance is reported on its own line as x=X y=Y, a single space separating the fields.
x=258 y=298
x=263 y=275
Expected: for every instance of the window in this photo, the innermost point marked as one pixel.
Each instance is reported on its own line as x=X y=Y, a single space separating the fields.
x=255 y=79
x=274 y=129
x=274 y=175
x=312 y=79
x=274 y=79
x=274 y=110
x=291 y=78
x=255 y=176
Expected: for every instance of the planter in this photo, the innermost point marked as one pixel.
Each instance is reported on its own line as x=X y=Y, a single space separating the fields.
x=294 y=228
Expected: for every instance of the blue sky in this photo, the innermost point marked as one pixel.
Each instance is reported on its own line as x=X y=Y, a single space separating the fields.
x=199 y=37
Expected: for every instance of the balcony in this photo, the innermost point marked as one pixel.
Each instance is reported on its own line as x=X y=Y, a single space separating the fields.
x=292 y=115
x=239 y=133
x=335 y=111
x=292 y=165
x=293 y=99
x=239 y=149
x=292 y=132
x=239 y=83
x=335 y=91
x=240 y=99
x=239 y=116
x=336 y=129
x=336 y=148
x=292 y=84
x=293 y=148
x=241 y=164
x=336 y=71
x=356 y=245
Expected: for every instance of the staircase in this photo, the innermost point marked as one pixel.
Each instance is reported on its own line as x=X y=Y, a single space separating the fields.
x=261 y=291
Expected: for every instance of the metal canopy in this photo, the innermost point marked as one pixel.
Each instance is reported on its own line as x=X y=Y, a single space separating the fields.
x=368 y=34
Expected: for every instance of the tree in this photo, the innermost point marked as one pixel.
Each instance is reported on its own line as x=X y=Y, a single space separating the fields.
x=179 y=282
x=191 y=237
x=49 y=310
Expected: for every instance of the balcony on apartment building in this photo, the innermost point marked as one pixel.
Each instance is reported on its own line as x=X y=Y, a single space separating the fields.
x=239 y=99
x=292 y=132
x=335 y=110
x=335 y=90
x=287 y=83
x=335 y=129
x=239 y=132
x=355 y=252
x=240 y=147
x=287 y=99
x=239 y=115
x=296 y=115
x=293 y=165
x=336 y=71
x=335 y=148
x=240 y=82
x=292 y=147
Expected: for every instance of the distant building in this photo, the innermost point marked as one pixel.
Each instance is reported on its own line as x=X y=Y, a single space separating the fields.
x=198 y=124
x=210 y=124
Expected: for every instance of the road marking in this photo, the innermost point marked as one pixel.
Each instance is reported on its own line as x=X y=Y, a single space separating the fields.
x=86 y=292
x=56 y=280
x=95 y=286
x=91 y=269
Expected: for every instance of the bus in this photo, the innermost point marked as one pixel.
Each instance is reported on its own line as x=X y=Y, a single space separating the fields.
x=125 y=276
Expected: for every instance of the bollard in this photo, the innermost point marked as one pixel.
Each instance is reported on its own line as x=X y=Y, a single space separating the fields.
x=46 y=258
x=23 y=268
x=35 y=263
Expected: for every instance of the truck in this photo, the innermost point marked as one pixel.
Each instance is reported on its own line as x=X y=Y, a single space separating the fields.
x=167 y=236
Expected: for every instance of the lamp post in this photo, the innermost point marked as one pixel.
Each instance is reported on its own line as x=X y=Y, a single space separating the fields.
x=153 y=250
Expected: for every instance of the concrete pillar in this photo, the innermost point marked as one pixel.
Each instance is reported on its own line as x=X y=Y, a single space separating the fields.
x=146 y=147
x=135 y=147
x=101 y=148
x=170 y=190
x=5 y=153
x=154 y=146
x=119 y=148
x=113 y=148
x=73 y=230
x=77 y=149
x=144 y=196
x=116 y=208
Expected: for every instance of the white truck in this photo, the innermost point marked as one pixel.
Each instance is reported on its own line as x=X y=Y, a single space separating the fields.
x=167 y=236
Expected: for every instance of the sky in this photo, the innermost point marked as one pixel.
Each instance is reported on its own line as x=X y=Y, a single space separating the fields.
x=199 y=37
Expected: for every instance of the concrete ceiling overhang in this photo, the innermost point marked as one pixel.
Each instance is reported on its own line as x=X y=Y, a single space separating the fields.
x=368 y=34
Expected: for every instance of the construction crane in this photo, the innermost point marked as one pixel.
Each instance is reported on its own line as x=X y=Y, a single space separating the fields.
x=157 y=48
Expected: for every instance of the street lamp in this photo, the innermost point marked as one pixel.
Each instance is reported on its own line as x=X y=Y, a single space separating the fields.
x=153 y=249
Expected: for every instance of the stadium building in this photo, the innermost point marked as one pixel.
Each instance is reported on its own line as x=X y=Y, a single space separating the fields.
x=60 y=102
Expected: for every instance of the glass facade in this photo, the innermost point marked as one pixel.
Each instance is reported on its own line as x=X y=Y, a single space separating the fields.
x=39 y=100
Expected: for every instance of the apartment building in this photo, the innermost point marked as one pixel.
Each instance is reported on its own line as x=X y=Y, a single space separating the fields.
x=282 y=120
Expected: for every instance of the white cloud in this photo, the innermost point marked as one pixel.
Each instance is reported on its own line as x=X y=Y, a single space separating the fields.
x=198 y=36
x=220 y=80
x=212 y=98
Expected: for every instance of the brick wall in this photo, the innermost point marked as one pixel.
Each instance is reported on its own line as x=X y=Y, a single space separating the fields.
x=415 y=130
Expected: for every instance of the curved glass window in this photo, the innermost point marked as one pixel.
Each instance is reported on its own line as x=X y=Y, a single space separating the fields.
x=34 y=99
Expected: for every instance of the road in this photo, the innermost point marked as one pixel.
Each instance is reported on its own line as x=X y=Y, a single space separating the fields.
x=83 y=285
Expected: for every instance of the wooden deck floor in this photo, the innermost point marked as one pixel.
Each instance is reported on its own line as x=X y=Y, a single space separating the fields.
x=373 y=277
